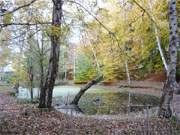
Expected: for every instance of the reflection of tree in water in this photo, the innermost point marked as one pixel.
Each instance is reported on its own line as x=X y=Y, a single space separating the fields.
x=114 y=103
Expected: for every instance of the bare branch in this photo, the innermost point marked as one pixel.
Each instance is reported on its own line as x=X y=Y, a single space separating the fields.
x=109 y=31
x=145 y=11
x=23 y=24
x=18 y=8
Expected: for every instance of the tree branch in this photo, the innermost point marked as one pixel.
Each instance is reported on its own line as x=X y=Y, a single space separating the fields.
x=19 y=24
x=109 y=31
x=145 y=11
x=18 y=8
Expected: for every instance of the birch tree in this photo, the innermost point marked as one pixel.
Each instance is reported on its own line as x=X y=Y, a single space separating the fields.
x=171 y=85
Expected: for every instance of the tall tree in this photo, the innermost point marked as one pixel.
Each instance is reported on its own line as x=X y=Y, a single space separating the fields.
x=47 y=88
x=30 y=76
x=171 y=85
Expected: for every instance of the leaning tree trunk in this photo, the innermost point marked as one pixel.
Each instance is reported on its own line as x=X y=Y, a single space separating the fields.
x=47 y=89
x=84 y=89
x=171 y=85
x=89 y=84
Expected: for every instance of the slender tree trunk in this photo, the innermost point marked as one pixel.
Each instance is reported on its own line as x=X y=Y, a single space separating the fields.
x=84 y=89
x=127 y=72
x=161 y=51
x=41 y=53
x=65 y=71
x=74 y=67
x=96 y=60
x=158 y=40
x=41 y=61
x=31 y=78
x=171 y=85
x=126 y=51
x=48 y=86
x=42 y=96
x=31 y=90
x=16 y=87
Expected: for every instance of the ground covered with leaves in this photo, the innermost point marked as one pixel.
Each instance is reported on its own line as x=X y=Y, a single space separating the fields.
x=26 y=119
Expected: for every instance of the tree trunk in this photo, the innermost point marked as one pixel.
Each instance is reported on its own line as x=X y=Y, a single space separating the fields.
x=31 y=77
x=41 y=53
x=41 y=61
x=158 y=40
x=125 y=49
x=16 y=87
x=96 y=60
x=127 y=72
x=161 y=51
x=74 y=66
x=31 y=91
x=84 y=89
x=65 y=71
x=41 y=66
x=47 y=89
x=171 y=85
x=42 y=99
x=42 y=96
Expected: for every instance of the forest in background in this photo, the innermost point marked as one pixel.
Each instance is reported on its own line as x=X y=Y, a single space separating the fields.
x=121 y=43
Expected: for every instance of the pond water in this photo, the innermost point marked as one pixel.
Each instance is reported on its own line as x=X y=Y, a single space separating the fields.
x=96 y=100
x=115 y=102
x=58 y=91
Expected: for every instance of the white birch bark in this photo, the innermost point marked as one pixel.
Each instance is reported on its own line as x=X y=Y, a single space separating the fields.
x=171 y=85
x=158 y=40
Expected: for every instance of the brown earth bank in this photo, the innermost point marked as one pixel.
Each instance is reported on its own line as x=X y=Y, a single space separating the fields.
x=26 y=119
x=157 y=77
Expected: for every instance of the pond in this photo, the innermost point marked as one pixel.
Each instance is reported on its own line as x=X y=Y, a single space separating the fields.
x=115 y=102
x=63 y=91
x=98 y=100
x=58 y=91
